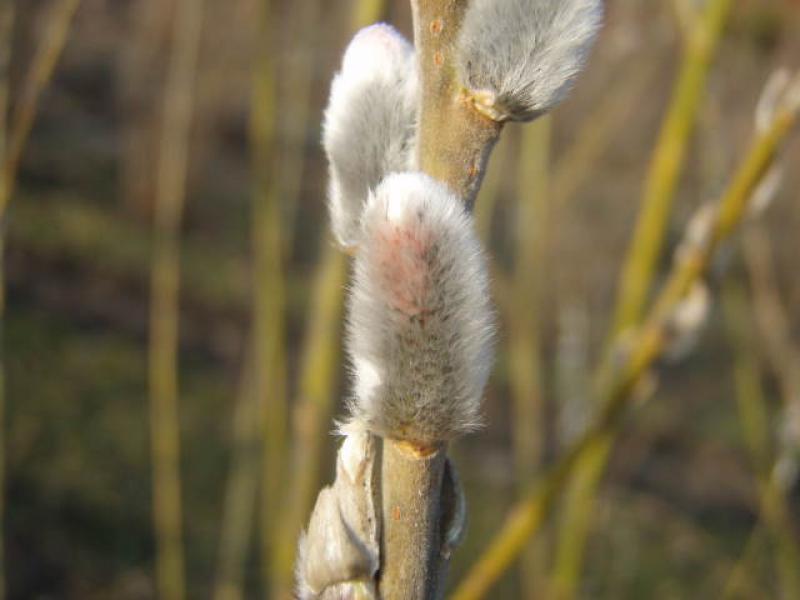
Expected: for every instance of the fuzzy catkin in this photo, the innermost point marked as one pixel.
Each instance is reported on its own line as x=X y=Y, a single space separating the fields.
x=368 y=129
x=420 y=325
x=519 y=58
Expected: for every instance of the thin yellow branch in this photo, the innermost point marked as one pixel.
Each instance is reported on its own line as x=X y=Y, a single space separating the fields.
x=163 y=351
x=241 y=491
x=317 y=379
x=754 y=419
x=771 y=314
x=492 y=188
x=665 y=165
x=598 y=129
x=524 y=322
x=44 y=62
x=617 y=385
x=295 y=107
x=269 y=352
x=639 y=270
x=366 y=12
x=317 y=387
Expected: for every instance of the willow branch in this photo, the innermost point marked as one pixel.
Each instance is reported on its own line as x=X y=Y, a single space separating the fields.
x=526 y=370
x=774 y=510
x=640 y=265
x=240 y=492
x=666 y=164
x=419 y=324
x=317 y=385
x=269 y=357
x=454 y=140
x=616 y=387
x=453 y=145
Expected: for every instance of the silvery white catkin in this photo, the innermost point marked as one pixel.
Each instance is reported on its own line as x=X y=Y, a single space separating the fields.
x=420 y=325
x=520 y=57
x=368 y=129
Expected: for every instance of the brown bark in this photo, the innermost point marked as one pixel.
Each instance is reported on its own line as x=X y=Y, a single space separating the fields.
x=411 y=487
x=454 y=140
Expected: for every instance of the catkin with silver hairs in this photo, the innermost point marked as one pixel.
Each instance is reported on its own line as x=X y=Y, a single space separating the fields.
x=519 y=58
x=420 y=325
x=368 y=129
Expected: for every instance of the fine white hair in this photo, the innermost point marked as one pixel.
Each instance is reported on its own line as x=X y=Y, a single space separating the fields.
x=519 y=58
x=368 y=130
x=420 y=325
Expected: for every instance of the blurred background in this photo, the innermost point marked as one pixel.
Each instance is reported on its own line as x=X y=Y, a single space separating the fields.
x=100 y=218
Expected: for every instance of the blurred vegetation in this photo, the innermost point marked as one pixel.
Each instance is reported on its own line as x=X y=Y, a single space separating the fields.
x=698 y=496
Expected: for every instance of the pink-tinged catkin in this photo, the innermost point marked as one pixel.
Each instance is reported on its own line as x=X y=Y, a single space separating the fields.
x=420 y=324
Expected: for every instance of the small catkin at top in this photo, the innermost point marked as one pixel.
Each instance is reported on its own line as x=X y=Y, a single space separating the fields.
x=519 y=58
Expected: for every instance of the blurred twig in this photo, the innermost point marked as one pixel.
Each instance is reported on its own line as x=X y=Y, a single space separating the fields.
x=70 y=229
x=14 y=132
x=170 y=197
x=269 y=394
x=524 y=322
x=572 y=377
x=575 y=162
x=754 y=419
x=366 y=12
x=594 y=135
x=640 y=266
x=317 y=383
x=317 y=388
x=686 y=15
x=141 y=75
x=784 y=358
x=269 y=357
x=624 y=372
x=739 y=583
x=17 y=127
x=6 y=28
x=666 y=164
x=295 y=108
x=276 y=187
x=318 y=375
x=240 y=493
x=771 y=314
x=6 y=31
x=48 y=51
x=492 y=188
